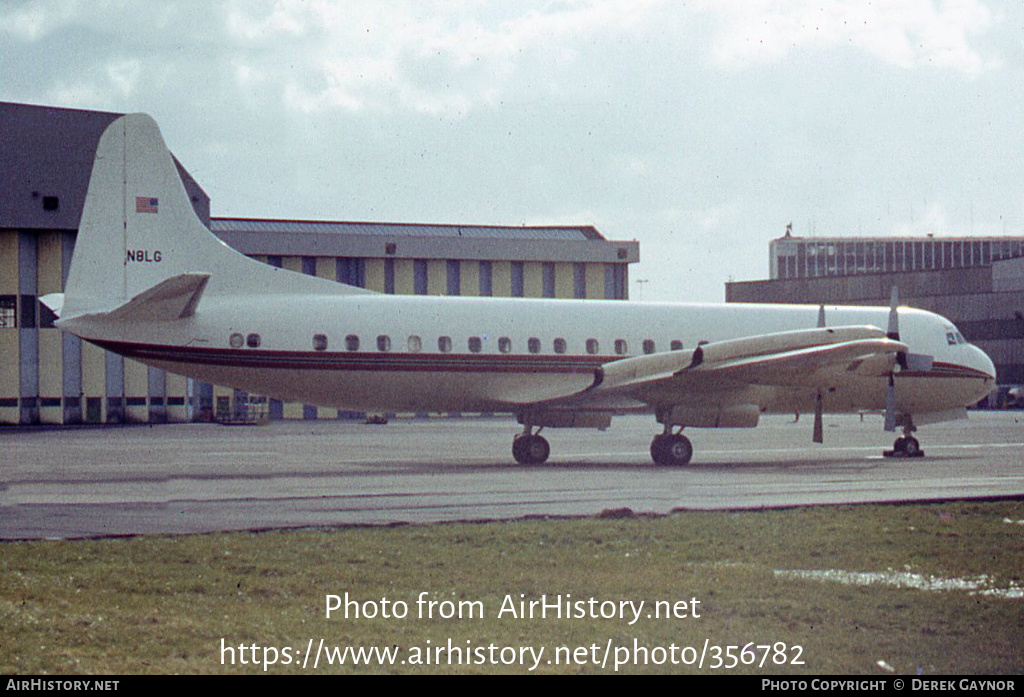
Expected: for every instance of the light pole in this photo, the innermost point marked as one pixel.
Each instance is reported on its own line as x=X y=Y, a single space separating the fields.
x=640 y=282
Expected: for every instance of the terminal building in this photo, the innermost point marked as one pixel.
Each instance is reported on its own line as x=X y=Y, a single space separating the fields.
x=50 y=377
x=976 y=282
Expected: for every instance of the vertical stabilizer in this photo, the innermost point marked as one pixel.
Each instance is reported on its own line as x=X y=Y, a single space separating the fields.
x=139 y=229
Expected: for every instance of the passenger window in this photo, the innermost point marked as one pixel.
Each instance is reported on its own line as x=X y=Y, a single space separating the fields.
x=383 y=343
x=677 y=345
x=475 y=344
x=505 y=344
x=351 y=342
x=533 y=344
x=253 y=341
x=444 y=344
x=593 y=347
x=236 y=340
x=319 y=342
x=621 y=347
x=559 y=345
x=648 y=346
x=415 y=345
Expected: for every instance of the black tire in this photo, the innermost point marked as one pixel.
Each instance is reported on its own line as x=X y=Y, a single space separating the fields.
x=911 y=446
x=530 y=450
x=672 y=451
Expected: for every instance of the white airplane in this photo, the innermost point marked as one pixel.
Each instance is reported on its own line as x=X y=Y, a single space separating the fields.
x=150 y=282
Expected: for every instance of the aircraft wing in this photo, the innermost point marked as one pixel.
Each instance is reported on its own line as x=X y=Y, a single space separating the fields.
x=804 y=358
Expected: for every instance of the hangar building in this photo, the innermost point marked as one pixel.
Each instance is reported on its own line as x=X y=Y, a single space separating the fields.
x=49 y=377
x=976 y=282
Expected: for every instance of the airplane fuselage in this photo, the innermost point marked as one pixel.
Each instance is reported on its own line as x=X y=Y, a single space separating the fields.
x=427 y=353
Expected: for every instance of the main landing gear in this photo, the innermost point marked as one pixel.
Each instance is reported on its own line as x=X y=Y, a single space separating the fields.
x=529 y=448
x=671 y=449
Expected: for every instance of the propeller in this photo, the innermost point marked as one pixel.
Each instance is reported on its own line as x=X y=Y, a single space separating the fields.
x=819 y=427
x=893 y=332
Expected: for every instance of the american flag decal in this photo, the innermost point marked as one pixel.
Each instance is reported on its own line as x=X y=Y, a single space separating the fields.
x=145 y=204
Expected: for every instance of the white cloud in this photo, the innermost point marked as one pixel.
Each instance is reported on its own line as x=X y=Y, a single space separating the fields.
x=906 y=33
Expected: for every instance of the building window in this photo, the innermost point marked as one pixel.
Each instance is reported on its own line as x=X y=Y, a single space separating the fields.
x=505 y=344
x=319 y=342
x=454 y=277
x=389 y=276
x=579 y=280
x=559 y=345
x=8 y=311
x=351 y=271
x=593 y=347
x=444 y=344
x=420 y=282
x=383 y=343
x=517 y=279
x=475 y=344
x=548 y=278
x=352 y=342
x=533 y=344
x=486 y=279
x=414 y=343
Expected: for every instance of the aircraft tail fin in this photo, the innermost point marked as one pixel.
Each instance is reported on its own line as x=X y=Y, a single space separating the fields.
x=139 y=234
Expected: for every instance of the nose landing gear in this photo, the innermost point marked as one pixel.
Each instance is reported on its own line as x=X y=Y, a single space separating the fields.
x=906 y=445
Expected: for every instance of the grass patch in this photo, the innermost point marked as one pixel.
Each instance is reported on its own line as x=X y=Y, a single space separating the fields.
x=163 y=604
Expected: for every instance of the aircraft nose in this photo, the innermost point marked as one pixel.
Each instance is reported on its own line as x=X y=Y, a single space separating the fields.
x=979 y=360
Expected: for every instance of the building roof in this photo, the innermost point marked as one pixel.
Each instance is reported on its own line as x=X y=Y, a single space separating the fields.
x=255 y=236
x=46 y=157
x=547 y=232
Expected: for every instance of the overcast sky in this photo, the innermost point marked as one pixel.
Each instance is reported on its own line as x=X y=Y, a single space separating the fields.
x=700 y=128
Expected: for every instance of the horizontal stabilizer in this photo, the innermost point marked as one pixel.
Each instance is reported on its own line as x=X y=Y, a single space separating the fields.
x=174 y=298
x=54 y=301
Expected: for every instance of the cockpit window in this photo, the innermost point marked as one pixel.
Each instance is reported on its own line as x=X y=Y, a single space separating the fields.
x=953 y=337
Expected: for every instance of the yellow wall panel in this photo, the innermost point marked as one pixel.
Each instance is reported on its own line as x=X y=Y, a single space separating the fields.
x=327 y=267
x=8 y=263
x=533 y=279
x=405 y=277
x=49 y=262
x=437 y=277
x=374 y=274
x=292 y=264
x=94 y=370
x=51 y=363
x=176 y=386
x=136 y=384
x=501 y=279
x=595 y=281
x=469 y=278
x=565 y=286
x=10 y=376
x=293 y=410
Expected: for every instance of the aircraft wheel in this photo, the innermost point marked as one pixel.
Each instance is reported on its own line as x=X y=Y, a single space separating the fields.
x=911 y=446
x=671 y=450
x=530 y=450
